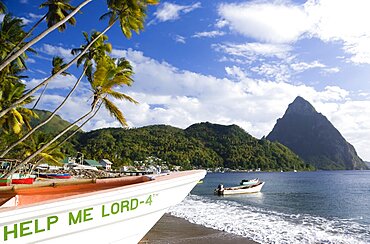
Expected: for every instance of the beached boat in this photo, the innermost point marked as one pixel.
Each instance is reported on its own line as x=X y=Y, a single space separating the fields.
x=249 y=182
x=220 y=190
x=18 y=179
x=115 y=210
x=54 y=175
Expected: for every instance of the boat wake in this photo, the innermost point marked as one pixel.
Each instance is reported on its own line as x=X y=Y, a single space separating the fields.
x=269 y=226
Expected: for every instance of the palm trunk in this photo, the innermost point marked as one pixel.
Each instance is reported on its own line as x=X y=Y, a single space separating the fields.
x=29 y=158
x=38 y=99
x=32 y=91
x=47 y=120
x=42 y=35
x=74 y=132
x=24 y=38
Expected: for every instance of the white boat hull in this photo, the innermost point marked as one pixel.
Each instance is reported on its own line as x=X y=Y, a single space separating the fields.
x=120 y=215
x=240 y=190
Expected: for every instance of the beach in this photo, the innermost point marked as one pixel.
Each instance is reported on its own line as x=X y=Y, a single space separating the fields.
x=170 y=229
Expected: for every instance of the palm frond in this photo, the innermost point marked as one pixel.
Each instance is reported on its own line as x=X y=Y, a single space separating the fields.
x=114 y=111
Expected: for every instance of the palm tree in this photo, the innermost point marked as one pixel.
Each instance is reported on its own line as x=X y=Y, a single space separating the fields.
x=131 y=14
x=61 y=22
x=58 y=64
x=50 y=155
x=95 y=51
x=18 y=117
x=31 y=131
x=57 y=10
x=98 y=49
x=109 y=74
x=11 y=32
x=124 y=10
x=2 y=8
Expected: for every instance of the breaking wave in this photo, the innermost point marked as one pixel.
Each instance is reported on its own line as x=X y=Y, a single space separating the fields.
x=269 y=226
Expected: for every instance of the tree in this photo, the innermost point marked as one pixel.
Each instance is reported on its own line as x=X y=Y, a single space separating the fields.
x=53 y=156
x=11 y=32
x=109 y=74
x=21 y=50
x=18 y=117
x=132 y=10
x=99 y=48
x=58 y=10
x=2 y=8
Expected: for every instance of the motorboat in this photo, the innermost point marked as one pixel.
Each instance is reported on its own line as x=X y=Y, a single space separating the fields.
x=220 y=190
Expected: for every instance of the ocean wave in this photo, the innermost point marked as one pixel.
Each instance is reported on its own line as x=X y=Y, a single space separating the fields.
x=269 y=226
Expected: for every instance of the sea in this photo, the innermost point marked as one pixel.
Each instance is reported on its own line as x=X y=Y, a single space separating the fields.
x=293 y=207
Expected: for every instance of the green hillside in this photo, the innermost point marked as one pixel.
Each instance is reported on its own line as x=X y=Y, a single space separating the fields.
x=54 y=126
x=201 y=145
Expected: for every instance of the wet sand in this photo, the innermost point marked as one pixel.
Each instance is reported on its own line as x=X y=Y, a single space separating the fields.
x=170 y=229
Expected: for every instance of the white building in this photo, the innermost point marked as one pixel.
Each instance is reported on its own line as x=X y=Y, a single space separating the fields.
x=107 y=165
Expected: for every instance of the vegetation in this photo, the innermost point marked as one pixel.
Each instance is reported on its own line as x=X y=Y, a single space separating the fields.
x=201 y=145
x=22 y=139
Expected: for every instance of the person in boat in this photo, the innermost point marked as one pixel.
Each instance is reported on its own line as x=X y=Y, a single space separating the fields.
x=220 y=189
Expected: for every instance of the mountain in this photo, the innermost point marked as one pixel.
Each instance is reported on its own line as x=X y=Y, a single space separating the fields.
x=200 y=145
x=54 y=126
x=311 y=135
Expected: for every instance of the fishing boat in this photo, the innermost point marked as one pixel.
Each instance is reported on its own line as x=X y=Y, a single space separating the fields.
x=114 y=210
x=55 y=175
x=220 y=190
x=18 y=179
x=249 y=182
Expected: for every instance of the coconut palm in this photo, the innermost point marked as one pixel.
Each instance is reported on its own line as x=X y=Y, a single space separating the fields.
x=56 y=25
x=11 y=32
x=18 y=117
x=30 y=132
x=58 y=10
x=124 y=10
x=2 y=8
x=109 y=74
x=98 y=49
x=53 y=156
x=130 y=13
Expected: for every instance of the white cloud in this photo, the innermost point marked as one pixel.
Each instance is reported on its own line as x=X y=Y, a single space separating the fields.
x=59 y=82
x=214 y=33
x=344 y=22
x=56 y=51
x=266 y=22
x=171 y=11
x=302 y=66
x=253 y=50
x=180 y=39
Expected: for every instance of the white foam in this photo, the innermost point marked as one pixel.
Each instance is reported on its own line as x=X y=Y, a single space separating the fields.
x=269 y=226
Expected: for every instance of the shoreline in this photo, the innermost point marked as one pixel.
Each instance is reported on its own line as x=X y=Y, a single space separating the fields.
x=171 y=229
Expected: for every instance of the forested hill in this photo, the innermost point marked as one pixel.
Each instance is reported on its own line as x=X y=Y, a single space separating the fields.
x=54 y=126
x=205 y=145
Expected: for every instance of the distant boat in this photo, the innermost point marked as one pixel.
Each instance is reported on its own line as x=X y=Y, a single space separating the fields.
x=249 y=182
x=18 y=179
x=239 y=189
x=55 y=175
x=114 y=210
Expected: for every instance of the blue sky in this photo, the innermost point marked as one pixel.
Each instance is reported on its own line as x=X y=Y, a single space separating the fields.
x=228 y=62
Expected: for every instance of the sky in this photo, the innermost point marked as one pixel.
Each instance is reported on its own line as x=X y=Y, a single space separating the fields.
x=227 y=62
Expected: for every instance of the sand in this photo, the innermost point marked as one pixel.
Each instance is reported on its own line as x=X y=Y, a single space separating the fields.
x=170 y=229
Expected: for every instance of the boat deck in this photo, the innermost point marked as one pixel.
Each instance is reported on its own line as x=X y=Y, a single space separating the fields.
x=52 y=190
